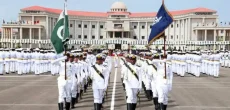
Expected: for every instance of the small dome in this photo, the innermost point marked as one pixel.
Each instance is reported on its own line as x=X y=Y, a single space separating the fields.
x=118 y=6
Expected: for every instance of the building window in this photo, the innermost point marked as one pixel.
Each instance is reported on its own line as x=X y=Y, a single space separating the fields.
x=101 y=37
x=135 y=27
x=143 y=37
x=85 y=36
x=151 y=26
x=222 y=31
x=79 y=36
x=93 y=37
x=143 y=27
x=70 y=36
x=85 y=26
x=71 y=25
x=79 y=25
x=101 y=26
x=177 y=36
x=177 y=25
x=134 y=37
x=93 y=26
x=172 y=26
x=171 y=37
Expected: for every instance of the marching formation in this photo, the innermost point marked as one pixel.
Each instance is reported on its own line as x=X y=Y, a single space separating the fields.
x=150 y=72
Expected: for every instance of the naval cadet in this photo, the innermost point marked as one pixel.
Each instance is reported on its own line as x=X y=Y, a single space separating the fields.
x=98 y=76
x=133 y=82
x=64 y=81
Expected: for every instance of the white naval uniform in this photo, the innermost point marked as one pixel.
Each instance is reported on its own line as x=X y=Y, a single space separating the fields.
x=116 y=61
x=132 y=84
x=1 y=62
x=20 y=65
x=64 y=86
x=13 y=61
x=7 y=62
x=163 y=84
x=99 y=83
x=216 y=63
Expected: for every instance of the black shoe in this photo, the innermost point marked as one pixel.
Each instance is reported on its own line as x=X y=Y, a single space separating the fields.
x=81 y=93
x=149 y=95
x=101 y=106
x=165 y=107
x=73 y=100
x=85 y=88
x=103 y=100
x=7 y=73
x=161 y=106
x=129 y=106
x=134 y=106
x=155 y=102
x=67 y=105
x=97 y=107
x=77 y=98
x=60 y=106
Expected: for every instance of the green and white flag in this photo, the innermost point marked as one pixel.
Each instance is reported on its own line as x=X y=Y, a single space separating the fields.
x=60 y=34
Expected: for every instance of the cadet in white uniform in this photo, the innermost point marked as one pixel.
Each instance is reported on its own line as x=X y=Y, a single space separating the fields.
x=7 y=61
x=133 y=83
x=98 y=76
x=1 y=62
x=64 y=81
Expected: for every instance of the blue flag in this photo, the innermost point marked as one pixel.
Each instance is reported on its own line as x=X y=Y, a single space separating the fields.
x=160 y=23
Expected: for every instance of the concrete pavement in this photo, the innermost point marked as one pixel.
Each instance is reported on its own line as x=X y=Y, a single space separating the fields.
x=30 y=92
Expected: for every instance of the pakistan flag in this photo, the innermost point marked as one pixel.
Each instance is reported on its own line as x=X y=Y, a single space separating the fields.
x=60 y=34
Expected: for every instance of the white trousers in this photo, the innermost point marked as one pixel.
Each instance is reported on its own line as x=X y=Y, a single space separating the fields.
x=20 y=67
x=147 y=84
x=162 y=90
x=7 y=67
x=1 y=67
x=132 y=95
x=98 y=95
x=154 y=90
x=64 y=90
x=74 y=90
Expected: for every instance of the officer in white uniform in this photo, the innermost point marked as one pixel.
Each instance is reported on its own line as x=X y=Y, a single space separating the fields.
x=1 y=61
x=64 y=81
x=98 y=76
x=7 y=61
x=133 y=82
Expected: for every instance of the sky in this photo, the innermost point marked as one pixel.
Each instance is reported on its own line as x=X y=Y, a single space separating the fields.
x=9 y=9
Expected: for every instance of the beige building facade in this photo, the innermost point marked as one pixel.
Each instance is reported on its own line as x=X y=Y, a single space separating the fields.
x=191 y=29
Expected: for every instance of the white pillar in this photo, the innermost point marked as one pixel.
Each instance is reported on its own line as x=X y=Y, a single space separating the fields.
x=205 y=35
x=197 y=35
x=82 y=30
x=214 y=39
x=113 y=34
x=11 y=37
x=21 y=36
x=184 y=30
x=32 y=20
x=39 y=37
x=146 y=26
x=174 y=30
x=98 y=29
x=47 y=29
x=2 y=33
x=30 y=37
x=189 y=30
x=122 y=34
x=75 y=29
x=138 y=29
x=224 y=37
x=90 y=28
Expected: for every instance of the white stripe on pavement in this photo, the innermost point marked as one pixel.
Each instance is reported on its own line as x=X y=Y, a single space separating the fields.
x=114 y=90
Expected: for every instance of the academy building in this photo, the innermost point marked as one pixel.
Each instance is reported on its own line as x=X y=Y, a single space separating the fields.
x=191 y=29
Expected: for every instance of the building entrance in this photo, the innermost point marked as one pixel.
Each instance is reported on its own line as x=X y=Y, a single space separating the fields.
x=118 y=35
x=117 y=46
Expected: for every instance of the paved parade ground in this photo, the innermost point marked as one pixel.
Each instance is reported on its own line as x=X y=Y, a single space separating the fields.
x=30 y=92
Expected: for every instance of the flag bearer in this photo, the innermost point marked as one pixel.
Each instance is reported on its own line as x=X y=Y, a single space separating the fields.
x=64 y=83
x=1 y=61
x=98 y=76
x=133 y=82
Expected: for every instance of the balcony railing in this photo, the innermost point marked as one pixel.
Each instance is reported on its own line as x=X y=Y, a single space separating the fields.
x=118 y=27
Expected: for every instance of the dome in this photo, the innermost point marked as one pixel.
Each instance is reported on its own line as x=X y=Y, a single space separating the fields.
x=118 y=6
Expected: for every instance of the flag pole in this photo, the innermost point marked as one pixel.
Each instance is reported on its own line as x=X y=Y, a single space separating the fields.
x=64 y=37
x=164 y=48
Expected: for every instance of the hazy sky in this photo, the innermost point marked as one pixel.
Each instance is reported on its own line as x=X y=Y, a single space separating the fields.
x=9 y=9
